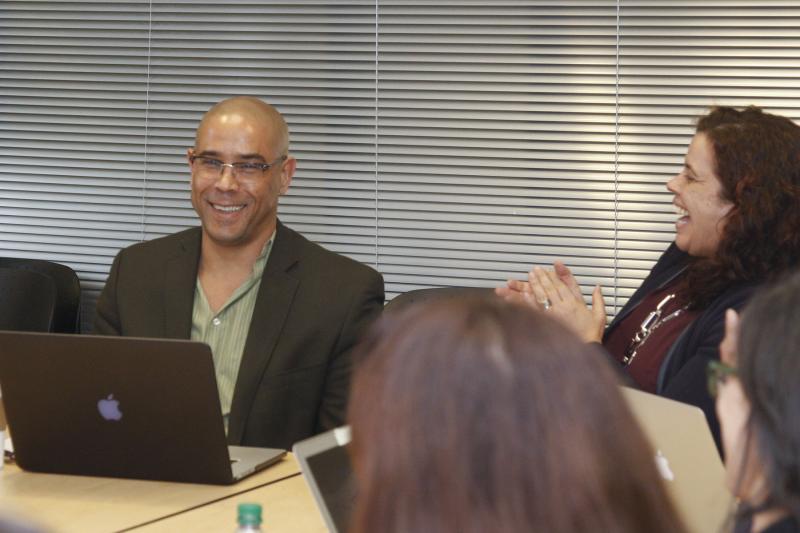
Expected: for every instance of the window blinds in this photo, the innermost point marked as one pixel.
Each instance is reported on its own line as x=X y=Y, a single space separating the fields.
x=677 y=58
x=444 y=142
x=73 y=87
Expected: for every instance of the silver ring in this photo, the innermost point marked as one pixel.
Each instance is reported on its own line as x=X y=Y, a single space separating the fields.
x=546 y=303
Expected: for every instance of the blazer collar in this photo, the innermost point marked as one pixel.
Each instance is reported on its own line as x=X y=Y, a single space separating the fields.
x=180 y=280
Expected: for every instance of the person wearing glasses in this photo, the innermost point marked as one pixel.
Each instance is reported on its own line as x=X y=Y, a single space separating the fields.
x=737 y=198
x=280 y=313
x=477 y=415
x=758 y=404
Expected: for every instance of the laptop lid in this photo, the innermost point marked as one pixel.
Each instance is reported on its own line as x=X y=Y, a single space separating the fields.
x=326 y=468
x=116 y=407
x=686 y=457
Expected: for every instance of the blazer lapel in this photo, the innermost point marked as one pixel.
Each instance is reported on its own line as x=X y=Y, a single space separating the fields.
x=275 y=296
x=180 y=279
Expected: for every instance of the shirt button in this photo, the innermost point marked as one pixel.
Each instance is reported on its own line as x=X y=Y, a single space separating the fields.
x=216 y=321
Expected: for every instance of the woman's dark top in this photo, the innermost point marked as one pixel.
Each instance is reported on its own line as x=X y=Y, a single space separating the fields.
x=682 y=373
x=643 y=368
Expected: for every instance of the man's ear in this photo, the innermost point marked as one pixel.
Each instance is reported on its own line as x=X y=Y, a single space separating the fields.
x=189 y=154
x=287 y=173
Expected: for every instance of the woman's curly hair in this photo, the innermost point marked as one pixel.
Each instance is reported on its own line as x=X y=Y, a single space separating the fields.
x=757 y=161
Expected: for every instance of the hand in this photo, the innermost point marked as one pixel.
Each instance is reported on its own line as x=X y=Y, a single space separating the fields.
x=559 y=292
x=518 y=291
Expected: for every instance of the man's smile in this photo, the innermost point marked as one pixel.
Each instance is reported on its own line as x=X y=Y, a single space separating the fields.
x=228 y=208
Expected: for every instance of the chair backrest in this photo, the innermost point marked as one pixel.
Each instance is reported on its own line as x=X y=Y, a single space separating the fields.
x=401 y=301
x=27 y=300
x=67 y=314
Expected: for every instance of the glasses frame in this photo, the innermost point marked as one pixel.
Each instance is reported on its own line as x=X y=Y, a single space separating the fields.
x=717 y=372
x=236 y=167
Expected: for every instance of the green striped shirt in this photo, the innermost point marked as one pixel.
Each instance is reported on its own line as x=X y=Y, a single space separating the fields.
x=226 y=330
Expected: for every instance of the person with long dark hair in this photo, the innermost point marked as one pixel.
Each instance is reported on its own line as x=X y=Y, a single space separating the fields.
x=738 y=203
x=477 y=415
x=758 y=404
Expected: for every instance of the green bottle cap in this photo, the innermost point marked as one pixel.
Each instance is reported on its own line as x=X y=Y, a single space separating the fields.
x=249 y=514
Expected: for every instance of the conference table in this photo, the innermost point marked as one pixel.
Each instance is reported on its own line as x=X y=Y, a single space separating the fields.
x=287 y=507
x=64 y=504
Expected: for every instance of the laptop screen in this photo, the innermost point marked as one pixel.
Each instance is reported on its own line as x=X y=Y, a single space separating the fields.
x=327 y=470
x=336 y=485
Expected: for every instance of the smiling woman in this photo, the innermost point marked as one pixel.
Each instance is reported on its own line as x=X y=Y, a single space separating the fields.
x=699 y=200
x=738 y=203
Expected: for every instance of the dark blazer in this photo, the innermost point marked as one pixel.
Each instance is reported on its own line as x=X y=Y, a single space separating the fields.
x=682 y=375
x=311 y=307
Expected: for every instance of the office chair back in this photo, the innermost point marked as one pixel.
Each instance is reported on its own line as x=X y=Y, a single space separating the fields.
x=407 y=299
x=27 y=300
x=67 y=313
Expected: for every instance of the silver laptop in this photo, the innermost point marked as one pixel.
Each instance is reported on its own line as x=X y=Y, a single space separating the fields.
x=119 y=407
x=326 y=468
x=686 y=457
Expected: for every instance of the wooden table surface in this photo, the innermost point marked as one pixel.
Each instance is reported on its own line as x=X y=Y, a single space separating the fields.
x=288 y=507
x=65 y=504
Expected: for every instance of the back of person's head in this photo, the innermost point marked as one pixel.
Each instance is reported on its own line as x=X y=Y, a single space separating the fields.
x=757 y=160
x=769 y=372
x=478 y=415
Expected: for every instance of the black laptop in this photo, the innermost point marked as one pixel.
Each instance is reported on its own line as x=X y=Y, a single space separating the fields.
x=119 y=407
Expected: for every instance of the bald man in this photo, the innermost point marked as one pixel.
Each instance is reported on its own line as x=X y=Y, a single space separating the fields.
x=280 y=313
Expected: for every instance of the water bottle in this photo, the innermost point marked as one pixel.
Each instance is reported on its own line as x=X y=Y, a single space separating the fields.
x=249 y=518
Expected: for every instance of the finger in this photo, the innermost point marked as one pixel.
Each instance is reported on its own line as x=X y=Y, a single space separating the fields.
x=546 y=285
x=599 y=306
x=566 y=277
x=509 y=295
x=732 y=323
x=538 y=291
x=729 y=347
x=564 y=293
x=594 y=332
x=530 y=299
x=517 y=297
x=505 y=292
x=518 y=285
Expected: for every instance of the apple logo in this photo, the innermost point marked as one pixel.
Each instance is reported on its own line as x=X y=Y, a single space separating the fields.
x=109 y=408
x=662 y=464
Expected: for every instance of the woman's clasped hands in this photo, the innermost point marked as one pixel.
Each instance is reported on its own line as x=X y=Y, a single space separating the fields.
x=557 y=292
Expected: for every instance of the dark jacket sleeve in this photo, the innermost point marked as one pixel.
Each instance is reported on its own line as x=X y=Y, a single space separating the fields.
x=106 y=319
x=683 y=372
x=366 y=305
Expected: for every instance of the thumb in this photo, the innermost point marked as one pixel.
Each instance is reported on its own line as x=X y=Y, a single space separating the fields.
x=598 y=306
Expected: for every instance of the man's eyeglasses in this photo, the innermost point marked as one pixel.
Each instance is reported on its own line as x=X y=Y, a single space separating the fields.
x=208 y=167
x=717 y=372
